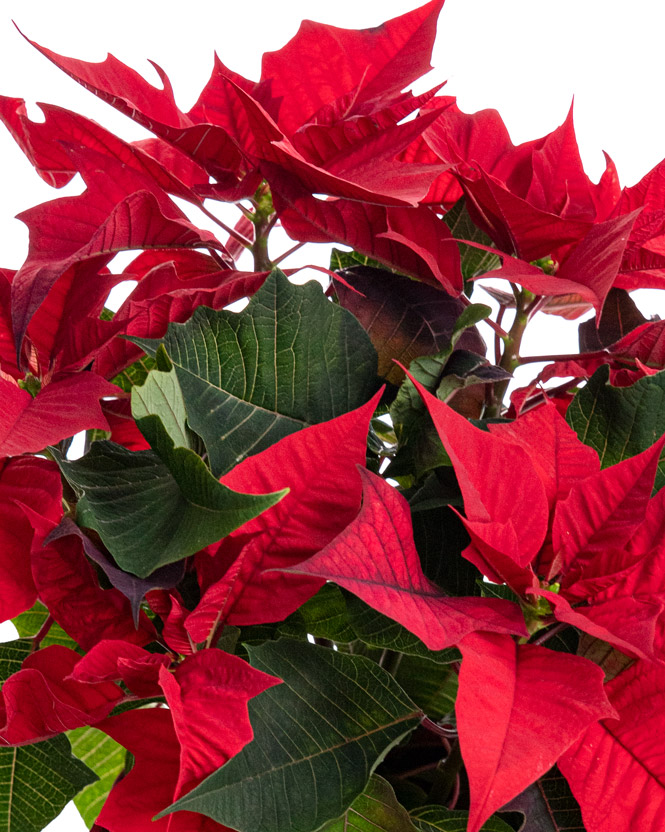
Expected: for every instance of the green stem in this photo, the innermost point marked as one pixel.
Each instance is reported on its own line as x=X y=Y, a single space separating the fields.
x=510 y=359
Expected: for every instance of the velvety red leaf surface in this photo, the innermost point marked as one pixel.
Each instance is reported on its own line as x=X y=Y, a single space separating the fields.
x=318 y=465
x=491 y=511
x=555 y=452
x=616 y=769
x=207 y=696
x=99 y=223
x=414 y=241
x=40 y=701
x=149 y=787
x=605 y=509
x=62 y=408
x=33 y=482
x=322 y=63
x=376 y=559
x=119 y=661
x=170 y=290
x=519 y=707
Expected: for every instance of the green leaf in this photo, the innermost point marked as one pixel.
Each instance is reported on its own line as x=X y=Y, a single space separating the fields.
x=30 y=622
x=548 y=805
x=317 y=739
x=136 y=373
x=160 y=395
x=156 y=507
x=377 y=630
x=474 y=261
x=340 y=260
x=37 y=781
x=432 y=686
x=106 y=758
x=375 y=810
x=290 y=359
x=323 y=616
x=12 y=654
x=440 y=819
x=620 y=422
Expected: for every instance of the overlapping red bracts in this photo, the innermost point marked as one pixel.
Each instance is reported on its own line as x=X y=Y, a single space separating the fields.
x=326 y=133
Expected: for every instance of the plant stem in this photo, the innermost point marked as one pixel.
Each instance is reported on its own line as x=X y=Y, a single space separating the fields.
x=390 y=660
x=532 y=359
x=43 y=632
x=552 y=631
x=230 y=231
x=510 y=359
x=288 y=253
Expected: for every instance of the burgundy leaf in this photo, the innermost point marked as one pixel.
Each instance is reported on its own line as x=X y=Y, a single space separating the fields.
x=404 y=318
x=133 y=588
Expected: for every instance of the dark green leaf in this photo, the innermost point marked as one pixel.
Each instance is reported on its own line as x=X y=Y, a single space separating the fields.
x=323 y=616
x=317 y=739
x=474 y=261
x=548 y=806
x=106 y=758
x=348 y=259
x=440 y=819
x=377 y=630
x=12 y=654
x=440 y=539
x=620 y=422
x=432 y=686
x=290 y=359
x=375 y=810
x=156 y=507
x=36 y=782
x=136 y=373
x=490 y=590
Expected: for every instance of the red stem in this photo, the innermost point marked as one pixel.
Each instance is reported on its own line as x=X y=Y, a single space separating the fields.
x=43 y=632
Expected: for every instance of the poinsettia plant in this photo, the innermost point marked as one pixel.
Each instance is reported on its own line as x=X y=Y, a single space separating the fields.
x=315 y=569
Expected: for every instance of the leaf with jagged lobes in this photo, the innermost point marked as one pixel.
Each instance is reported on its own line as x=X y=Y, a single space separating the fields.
x=155 y=507
x=314 y=749
x=289 y=359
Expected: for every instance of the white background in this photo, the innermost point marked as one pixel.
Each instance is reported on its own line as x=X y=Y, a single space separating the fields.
x=526 y=58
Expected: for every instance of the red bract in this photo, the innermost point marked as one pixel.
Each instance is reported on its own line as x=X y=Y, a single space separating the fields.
x=534 y=703
x=60 y=409
x=41 y=701
x=376 y=559
x=239 y=584
x=544 y=545
x=23 y=482
x=616 y=769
